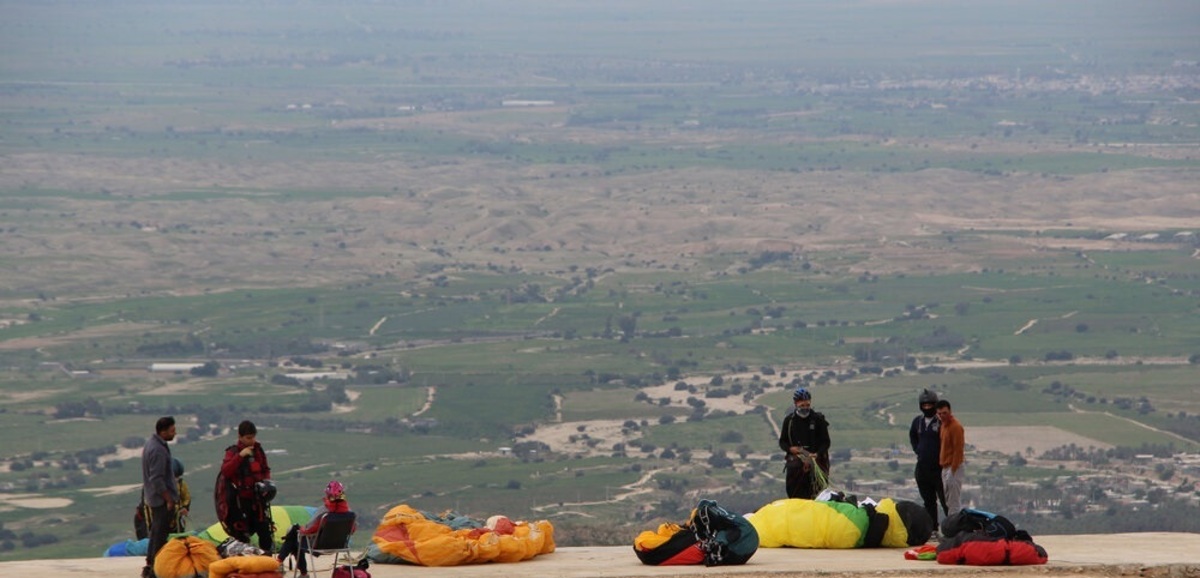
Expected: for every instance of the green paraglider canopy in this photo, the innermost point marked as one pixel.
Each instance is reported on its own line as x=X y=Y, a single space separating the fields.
x=284 y=517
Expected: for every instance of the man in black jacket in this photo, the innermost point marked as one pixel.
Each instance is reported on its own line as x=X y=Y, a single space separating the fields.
x=804 y=437
x=925 y=437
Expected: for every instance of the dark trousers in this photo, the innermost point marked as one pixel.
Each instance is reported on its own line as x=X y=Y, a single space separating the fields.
x=799 y=478
x=291 y=545
x=929 y=484
x=160 y=525
x=262 y=528
x=247 y=519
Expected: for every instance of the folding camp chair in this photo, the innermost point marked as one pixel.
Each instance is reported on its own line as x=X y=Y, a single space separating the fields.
x=332 y=537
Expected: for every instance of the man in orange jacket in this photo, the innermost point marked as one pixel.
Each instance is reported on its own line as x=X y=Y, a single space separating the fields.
x=951 y=457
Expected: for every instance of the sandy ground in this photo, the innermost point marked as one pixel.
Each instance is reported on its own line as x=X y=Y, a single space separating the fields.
x=1014 y=439
x=1149 y=555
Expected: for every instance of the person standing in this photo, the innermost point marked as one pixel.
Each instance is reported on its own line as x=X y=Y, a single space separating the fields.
x=804 y=438
x=951 y=459
x=925 y=435
x=141 y=515
x=179 y=523
x=158 y=488
x=248 y=490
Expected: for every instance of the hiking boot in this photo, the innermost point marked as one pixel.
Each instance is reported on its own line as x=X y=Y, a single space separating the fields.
x=147 y=572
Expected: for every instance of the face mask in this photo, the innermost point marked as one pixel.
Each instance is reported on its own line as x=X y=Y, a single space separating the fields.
x=929 y=412
x=803 y=411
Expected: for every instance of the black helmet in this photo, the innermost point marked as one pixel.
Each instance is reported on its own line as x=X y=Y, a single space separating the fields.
x=927 y=396
x=265 y=490
x=177 y=467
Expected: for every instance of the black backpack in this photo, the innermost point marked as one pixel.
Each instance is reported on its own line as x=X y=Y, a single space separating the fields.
x=724 y=537
x=972 y=520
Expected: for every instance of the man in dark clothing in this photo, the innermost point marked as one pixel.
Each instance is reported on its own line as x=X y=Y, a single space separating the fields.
x=925 y=437
x=804 y=437
x=247 y=476
x=158 y=487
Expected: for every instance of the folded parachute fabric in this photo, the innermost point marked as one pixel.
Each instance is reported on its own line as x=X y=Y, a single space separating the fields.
x=128 y=548
x=283 y=517
x=799 y=523
x=186 y=557
x=712 y=536
x=408 y=536
x=980 y=549
x=243 y=565
x=928 y=552
x=669 y=545
x=137 y=547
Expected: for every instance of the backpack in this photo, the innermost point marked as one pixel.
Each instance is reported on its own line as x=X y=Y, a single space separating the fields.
x=221 y=497
x=972 y=520
x=724 y=537
x=348 y=571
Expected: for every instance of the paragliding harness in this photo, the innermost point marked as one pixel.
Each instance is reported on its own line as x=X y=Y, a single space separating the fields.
x=877 y=522
x=359 y=570
x=972 y=520
x=813 y=466
x=234 y=510
x=725 y=538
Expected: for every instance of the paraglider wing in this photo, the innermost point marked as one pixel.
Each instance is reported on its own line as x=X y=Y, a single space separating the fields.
x=800 y=523
x=669 y=545
x=284 y=517
x=408 y=536
x=712 y=536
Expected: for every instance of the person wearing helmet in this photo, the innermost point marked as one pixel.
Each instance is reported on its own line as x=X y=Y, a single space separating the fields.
x=247 y=511
x=925 y=437
x=334 y=502
x=804 y=438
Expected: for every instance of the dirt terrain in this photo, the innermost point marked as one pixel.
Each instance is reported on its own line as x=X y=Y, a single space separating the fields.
x=128 y=230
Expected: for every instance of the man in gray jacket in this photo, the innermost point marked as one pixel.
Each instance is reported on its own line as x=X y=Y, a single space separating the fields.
x=158 y=487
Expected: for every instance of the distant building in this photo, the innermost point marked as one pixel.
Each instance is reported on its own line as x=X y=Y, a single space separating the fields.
x=173 y=367
x=310 y=376
x=527 y=103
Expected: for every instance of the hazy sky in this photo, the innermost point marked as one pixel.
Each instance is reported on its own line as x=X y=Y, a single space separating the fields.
x=60 y=39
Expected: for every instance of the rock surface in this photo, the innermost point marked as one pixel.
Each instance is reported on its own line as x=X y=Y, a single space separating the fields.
x=1148 y=555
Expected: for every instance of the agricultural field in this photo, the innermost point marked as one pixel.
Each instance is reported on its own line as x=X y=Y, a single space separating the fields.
x=594 y=308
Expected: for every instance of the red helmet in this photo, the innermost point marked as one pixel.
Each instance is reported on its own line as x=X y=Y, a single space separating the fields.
x=335 y=491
